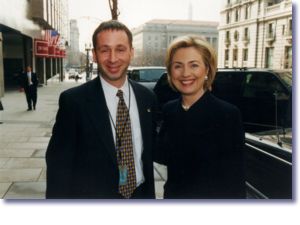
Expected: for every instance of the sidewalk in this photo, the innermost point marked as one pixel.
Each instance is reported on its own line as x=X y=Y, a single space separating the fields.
x=24 y=139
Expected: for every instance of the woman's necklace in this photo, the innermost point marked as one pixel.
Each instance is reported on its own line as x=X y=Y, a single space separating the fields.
x=185 y=107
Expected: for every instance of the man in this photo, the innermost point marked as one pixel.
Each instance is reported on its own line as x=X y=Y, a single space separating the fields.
x=29 y=82
x=97 y=149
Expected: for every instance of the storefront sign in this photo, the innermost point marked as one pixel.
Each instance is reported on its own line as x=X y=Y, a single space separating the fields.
x=40 y=48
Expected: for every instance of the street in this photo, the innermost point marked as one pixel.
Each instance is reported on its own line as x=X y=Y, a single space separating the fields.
x=24 y=140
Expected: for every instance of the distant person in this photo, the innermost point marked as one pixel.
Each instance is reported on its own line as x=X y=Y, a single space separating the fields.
x=201 y=139
x=76 y=77
x=103 y=136
x=29 y=82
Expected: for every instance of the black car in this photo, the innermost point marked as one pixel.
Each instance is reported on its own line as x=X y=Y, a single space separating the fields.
x=269 y=164
x=264 y=97
x=146 y=75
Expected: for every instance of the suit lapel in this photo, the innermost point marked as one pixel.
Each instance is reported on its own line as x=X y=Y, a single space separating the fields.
x=98 y=113
x=145 y=116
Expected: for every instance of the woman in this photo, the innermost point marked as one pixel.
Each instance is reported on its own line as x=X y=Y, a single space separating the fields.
x=201 y=139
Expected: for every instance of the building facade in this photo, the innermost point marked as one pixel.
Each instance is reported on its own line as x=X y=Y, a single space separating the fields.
x=74 y=36
x=151 y=39
x=21 y=24
x=74 y=55
x=256 y=33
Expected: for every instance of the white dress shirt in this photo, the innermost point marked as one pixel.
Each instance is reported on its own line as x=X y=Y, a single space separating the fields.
x=110 y=93
x=29 y=78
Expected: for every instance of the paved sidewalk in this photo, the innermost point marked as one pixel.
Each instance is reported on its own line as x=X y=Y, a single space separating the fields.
x=24 y=139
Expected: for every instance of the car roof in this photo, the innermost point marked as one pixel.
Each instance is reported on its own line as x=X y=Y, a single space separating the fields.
x=253 y=70
x=146 y=67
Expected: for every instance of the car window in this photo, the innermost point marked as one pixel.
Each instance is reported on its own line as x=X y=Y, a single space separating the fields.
x=261 y=85
x=150 y=74
x=286 y=78
x=227 y=84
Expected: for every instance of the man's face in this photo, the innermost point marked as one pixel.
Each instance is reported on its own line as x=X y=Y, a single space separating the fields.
x=113 y=55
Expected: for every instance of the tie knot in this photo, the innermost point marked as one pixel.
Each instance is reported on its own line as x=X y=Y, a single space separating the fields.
x=120 y=94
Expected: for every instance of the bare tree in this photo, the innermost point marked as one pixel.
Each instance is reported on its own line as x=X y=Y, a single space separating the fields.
x=113 y=5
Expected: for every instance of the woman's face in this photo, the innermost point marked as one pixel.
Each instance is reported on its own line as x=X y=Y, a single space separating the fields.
x=188 y=71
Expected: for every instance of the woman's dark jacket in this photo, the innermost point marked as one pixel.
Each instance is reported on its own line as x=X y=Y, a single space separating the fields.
x=202 y=149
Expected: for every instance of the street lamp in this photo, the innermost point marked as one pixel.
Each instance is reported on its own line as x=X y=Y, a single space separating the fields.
x=88 y=48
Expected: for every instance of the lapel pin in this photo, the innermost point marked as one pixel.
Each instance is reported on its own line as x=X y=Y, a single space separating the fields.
x=149 y=110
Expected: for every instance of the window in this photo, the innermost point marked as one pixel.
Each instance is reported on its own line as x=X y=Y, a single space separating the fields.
x=147 y=75
x=236 y=35
x=245 y=54
x=288 y=58
x=271 y=30
x=237 y=15
x=247 y=12
x=261 y=85
x=269 y=57
x=226 y=54
x=226 y=59
x=246 y=33
x=235 y=54
x=228 y=17
x=273 y=2
x=227 y=38
x=290 y=28
x=283 y=30
x=228 y=85
x=228 y=35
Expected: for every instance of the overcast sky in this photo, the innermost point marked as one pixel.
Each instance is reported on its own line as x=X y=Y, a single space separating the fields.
x=136 y=12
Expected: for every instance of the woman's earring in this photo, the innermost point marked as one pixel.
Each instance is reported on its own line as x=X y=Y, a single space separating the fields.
x=206 y=77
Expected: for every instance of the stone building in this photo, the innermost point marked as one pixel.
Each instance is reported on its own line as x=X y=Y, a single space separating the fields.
x=256 y=33
x=74 y=55
x=151 y=39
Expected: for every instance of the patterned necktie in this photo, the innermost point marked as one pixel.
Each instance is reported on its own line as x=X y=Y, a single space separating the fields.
x=127 y=180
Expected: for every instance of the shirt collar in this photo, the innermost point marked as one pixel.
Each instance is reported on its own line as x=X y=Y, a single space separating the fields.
x=112 y=90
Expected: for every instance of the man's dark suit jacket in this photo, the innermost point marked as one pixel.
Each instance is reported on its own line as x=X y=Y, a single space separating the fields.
x=81 y=157
x=24 y=80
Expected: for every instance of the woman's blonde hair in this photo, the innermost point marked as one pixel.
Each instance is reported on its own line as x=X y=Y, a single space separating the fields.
x=204 y=48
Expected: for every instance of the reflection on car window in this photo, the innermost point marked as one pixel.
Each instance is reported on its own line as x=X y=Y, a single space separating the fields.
x=260 y=85
x=286 y=78
x=150 y=75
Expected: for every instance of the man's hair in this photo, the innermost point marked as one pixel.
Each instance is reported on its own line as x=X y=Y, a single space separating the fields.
x=111 y=25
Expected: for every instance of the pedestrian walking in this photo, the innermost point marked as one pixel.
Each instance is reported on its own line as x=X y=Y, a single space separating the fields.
x=76 y=78
x=29 y=83
x=1 y=109
x=102 y=140
x=201 y=139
